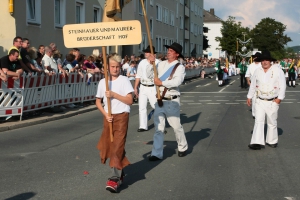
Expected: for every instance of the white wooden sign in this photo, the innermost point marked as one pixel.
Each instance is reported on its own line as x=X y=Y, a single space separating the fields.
x=102 y=34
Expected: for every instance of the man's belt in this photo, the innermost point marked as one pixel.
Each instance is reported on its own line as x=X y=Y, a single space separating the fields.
x=171 y=97
x=268 y=99
x=147 y=85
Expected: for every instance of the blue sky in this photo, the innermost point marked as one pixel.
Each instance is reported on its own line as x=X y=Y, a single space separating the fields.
x=250 y=12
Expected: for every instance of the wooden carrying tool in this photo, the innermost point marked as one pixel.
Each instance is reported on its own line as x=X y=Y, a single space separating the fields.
x=159 y=99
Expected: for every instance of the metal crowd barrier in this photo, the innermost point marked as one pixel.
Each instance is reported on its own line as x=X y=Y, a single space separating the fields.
x=35 y=92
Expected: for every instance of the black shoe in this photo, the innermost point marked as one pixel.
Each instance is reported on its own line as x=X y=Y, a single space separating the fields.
x=294 y=85
x=141 y=130
x=272 y=145
x=253 y=117
x=254 y=146
x=181 y=154
x=153 y=158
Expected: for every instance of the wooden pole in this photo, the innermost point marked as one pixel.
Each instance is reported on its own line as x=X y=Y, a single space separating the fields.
x=107 y=77
x=150 y=43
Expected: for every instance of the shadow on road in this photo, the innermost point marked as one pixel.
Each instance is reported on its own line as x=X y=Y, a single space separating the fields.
x=137 y=171
x=23 y=196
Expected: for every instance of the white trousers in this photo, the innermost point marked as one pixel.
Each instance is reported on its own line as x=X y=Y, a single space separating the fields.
x=171 y=111
x=253 y=104
x=146 y=93
x=263 y=109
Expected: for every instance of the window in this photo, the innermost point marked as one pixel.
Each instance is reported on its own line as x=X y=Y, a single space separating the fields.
x=158 y=44
x=176 y=34
x=140 y=7
x=79 y=12
x=59 y=8
x=151 y=27
x=192 y=6
x=181 y=22
x=97 y=14
x=182 y=2
x=196 y=9
x=186 y=47
x=33 y=11
x=166 y=15
x=200 y=12
x=158 y=12
x=192 y=27
x=151 y=2
x=177 y=9
x=143 y=44
x=172 y=19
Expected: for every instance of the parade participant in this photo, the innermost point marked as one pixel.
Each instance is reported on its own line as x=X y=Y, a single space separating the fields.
x=291 y=73
x=249 y=74
x=144 y=79
x=269 y=84
x=121 y=99
x=243 y=68
x=131 y=73
x=171 y=74
x=219 y=72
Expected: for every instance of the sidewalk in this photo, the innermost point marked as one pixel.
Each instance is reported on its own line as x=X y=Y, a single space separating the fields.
x=44 y=117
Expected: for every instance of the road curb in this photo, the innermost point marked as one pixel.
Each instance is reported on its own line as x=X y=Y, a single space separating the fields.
x=43 y=119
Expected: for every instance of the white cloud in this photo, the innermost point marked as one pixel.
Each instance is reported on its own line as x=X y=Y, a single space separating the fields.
x=250 y=12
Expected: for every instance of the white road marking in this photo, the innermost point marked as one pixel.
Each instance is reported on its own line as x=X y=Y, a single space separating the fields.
x=222 y=100
x=240 y=92
x=187 y=96
x=286 y=102
x=193 y=103
x=205 y=100
x=241 y=100
x=219 y=96
x=204 y=85
x=224 y=88
x=204 y=96
x=290 y=99
x=232 y=103
x=213 y=103
x=187 y=100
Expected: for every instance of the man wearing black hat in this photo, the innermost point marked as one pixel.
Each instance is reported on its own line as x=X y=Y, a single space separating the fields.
x=147 y=90
x=269 y=84
x=170 y=75
x=249 y=73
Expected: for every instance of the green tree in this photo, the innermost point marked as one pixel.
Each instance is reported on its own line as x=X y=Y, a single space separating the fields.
x=231 y=30
x=269 y=34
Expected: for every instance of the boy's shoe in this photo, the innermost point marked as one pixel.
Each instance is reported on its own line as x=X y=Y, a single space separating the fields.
x=113 y=184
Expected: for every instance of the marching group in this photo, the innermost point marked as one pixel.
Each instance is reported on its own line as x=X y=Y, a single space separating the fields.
x=290 y=68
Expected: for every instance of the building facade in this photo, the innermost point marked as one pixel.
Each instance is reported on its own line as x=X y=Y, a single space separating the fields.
x=214 y=24
x=42 y=22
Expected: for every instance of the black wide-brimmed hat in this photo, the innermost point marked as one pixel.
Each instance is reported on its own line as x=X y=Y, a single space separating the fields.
x=256 y=56
x=265 y=55
x=148 y=50
x=176 y=47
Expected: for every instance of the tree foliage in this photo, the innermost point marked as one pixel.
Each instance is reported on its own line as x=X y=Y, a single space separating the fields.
x=231 y=30
x=267 y=34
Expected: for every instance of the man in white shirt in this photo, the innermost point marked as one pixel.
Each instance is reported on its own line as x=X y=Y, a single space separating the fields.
x=48 y=62
x=269 y=84
x=249 y=73
x=171 y=74
x=147 y=91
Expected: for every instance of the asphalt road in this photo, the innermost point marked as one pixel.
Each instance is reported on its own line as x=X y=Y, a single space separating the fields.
x=59 y=159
